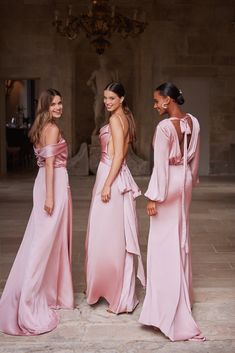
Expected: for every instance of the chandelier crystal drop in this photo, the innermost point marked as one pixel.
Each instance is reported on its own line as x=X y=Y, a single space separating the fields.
x=99 y=23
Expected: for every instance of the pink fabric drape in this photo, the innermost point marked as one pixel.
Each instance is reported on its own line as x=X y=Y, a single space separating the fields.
x=112 y=238
x=40 y=279
x=168 y=300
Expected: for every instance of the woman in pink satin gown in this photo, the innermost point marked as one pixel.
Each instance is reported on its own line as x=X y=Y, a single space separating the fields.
x=168 y=301
x=40 y=279
x=112 y=234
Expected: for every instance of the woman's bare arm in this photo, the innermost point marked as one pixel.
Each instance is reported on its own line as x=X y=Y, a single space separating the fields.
x=51 y=137
x=118 y=145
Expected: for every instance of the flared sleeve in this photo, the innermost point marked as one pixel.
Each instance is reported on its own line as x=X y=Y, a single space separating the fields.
x=194 y=163
x=158 y=185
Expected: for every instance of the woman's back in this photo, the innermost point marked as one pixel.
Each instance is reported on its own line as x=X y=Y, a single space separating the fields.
x=180 y=133
x=126 y=138
x=169 y=136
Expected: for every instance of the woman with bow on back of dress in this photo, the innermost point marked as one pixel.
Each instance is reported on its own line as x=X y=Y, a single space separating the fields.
x=168 y=301
x=40 y=279
x=112 y=234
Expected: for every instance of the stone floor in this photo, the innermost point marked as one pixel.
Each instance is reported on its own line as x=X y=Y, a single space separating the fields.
x=92 y=329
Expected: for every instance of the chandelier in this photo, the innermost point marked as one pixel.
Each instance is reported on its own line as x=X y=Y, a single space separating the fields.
x=99 y=23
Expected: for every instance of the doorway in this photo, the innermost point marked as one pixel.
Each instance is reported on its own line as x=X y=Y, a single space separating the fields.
x=20 y=105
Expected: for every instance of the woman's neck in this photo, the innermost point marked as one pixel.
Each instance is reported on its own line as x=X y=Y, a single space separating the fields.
x=175 y=112
x=118 y=111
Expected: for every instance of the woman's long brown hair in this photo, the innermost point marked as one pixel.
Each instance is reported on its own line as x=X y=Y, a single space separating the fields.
x=43 y=116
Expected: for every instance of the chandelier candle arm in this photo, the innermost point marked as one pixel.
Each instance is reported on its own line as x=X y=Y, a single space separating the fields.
x=144 y=16
x=135 y=15
x=56 y=17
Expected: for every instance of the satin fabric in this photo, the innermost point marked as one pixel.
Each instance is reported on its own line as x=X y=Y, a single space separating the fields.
x=168 y=300
x=40 y=279
x=112 y=238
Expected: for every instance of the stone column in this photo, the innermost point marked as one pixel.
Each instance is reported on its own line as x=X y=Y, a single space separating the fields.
x=3 y=163
x=143 y=95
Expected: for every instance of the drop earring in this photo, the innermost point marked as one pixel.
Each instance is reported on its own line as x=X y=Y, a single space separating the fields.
x=164 y=106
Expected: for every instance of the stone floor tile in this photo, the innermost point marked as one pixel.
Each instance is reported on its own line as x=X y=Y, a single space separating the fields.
x=90 y=329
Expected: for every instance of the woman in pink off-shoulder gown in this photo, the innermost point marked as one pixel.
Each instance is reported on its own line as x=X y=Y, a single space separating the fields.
x=112 y=234
x=168 y=301
x=40 y=279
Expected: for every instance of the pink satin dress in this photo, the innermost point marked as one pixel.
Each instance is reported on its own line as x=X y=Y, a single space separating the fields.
x=40 y=279
x=168 y=300
x=112 y=238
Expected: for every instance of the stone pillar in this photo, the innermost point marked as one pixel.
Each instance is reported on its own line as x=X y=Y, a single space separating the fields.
x=143 y=95
x=3 y=163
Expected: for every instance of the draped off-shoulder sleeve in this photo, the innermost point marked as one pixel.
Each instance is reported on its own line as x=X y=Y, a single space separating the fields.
x=52 y=150
x=158 y=185
x=58 y=150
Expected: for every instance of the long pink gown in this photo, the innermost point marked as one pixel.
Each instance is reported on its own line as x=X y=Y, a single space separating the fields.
x=112 y=238
x=40 y=279
x=168 y=300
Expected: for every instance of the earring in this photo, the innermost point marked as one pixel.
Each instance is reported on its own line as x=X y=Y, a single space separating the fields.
x=164 y=106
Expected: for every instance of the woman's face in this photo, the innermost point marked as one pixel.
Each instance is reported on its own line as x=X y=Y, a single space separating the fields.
x=112 y=101
x=56 y=107
x=160 y=103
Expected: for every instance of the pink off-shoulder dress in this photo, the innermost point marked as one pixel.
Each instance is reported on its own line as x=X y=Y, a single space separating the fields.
x=168 y=301
x=40 y=279
x=112 y=238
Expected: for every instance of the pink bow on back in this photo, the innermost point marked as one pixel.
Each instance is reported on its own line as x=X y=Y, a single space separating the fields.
x=184 y=126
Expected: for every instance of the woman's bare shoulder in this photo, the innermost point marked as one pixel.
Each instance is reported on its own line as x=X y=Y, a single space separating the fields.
x=50 y=133
x=51 y=127
x=117 y=120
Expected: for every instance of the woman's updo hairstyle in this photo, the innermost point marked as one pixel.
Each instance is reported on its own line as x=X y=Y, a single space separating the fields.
x=169 y=89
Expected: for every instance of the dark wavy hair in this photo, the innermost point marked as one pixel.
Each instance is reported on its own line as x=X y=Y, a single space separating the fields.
x=118 y=88
x=171 y=90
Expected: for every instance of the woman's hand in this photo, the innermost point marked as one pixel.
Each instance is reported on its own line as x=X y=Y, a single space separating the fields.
x=49 y=206
x=106 y=193
x=152 y=208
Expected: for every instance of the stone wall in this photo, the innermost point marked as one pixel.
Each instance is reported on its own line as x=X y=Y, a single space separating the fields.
x=186 y=41
x=192 y=40
x=29 y=49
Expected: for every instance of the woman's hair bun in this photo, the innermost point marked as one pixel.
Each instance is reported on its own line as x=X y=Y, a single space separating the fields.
x=180 y=99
